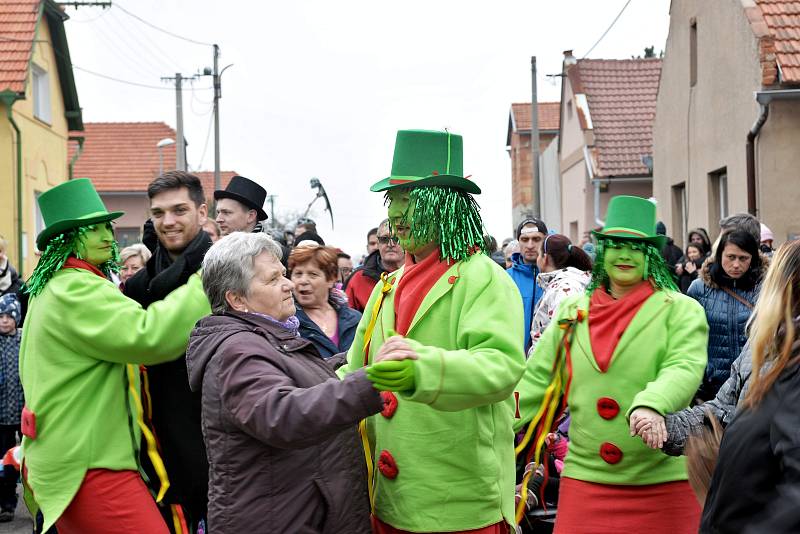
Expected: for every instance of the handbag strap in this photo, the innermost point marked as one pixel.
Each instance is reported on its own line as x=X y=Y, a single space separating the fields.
x=738 y=297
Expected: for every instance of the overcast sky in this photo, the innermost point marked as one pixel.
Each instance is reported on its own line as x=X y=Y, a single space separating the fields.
x=319 y=88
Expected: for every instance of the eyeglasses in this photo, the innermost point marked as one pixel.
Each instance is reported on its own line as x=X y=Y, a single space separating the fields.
x=386 y=239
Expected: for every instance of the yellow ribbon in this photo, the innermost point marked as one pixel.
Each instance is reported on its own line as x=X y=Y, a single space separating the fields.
x=362 y=426
x=152 y=448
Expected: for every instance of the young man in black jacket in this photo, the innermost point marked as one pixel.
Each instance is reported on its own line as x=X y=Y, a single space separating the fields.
x=178 y=211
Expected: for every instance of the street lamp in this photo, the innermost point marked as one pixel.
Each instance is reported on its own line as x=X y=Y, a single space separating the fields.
x=167 y=141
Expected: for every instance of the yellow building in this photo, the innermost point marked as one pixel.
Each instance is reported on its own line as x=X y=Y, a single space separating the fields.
x=38 y=108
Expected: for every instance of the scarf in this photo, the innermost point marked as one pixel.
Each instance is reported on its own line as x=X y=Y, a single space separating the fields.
x=292 y=324
x=609 y=318
x=5 y=276
x=162 y=275
x=417 y=280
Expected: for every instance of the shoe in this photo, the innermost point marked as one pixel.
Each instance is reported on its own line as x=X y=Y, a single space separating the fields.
x=6 y=516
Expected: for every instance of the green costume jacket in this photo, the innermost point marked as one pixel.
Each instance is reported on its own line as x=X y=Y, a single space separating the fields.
x=658 y=364
x=79 y=334
x=452 y=438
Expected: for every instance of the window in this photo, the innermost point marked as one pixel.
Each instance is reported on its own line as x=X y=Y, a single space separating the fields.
x=717 y=198
x=692 y=52
x=41 y=94
x=126 y=236
x=680 y=211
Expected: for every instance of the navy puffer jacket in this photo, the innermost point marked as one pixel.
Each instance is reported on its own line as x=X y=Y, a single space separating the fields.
x=727 y=318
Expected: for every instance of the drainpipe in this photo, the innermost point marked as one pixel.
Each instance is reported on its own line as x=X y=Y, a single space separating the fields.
x=751 y=158
x=764 y=98
x=80 y=139
x=597 y=220
x=8 y=98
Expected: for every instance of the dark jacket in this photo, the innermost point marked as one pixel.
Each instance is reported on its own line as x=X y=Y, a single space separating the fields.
x=361 y=283
x=671 y=254
x=348 y=322
x=175 y=408
x=524 y=276
x=686 y=278
x=280 y=428
x=727 y=318
x=755 y=488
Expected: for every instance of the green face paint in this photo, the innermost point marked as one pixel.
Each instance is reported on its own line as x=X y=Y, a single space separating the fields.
x=96 y=245
x=625 y=265
x=401 y=213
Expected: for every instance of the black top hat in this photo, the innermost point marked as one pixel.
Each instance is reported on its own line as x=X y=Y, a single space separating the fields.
x=247 y=192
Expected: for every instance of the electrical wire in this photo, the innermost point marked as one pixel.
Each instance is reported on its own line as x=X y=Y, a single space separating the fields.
x=621 y=11
x=130 y=56
x=162 y=30
x=79 y=21
x=192 y=101
x=144 y=44
x=205 y=146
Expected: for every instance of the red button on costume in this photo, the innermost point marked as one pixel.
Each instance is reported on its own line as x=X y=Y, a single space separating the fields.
x=607 y=407
x=389 y=404
x=387 y=466
x=610 y=453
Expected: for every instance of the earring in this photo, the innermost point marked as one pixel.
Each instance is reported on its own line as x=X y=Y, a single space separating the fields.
x=246 y=310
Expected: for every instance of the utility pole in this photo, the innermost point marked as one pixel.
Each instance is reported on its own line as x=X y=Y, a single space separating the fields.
x=180 y=141
x=217 y=96
x=536 y=190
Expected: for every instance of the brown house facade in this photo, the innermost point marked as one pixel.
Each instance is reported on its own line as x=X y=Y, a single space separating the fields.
x=605 y=142
x=518 y=145
x=728 y=115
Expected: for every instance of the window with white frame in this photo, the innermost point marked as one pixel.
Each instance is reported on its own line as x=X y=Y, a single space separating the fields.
x=41 y=93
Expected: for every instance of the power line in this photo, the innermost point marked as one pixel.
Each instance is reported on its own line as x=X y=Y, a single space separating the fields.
x=205 y=145
x=607 y=29
x=119 y=80
x=144 y=44
x=162 y=30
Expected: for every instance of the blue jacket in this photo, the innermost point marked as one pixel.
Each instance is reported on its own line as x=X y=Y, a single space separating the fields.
x=727 y=318
x=524 y=276
x=348 y=321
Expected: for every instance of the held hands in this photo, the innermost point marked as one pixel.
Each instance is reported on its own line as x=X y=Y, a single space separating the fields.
x=392 y=375
x=395 y=348
x=650 y=426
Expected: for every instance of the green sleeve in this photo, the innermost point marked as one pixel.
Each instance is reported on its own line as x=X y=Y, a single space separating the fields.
x=355 y=355
x=538 y=373
x=682 y=367
x=489 y=326
x=102 y=323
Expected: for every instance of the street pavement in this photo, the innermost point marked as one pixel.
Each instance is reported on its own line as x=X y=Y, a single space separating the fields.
x=22 y=523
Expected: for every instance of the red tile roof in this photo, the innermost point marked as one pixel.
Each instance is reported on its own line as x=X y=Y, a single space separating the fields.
x=549 y=115
x=18 y=26
x=782 y=18
x=621 y=95
x=123 y=157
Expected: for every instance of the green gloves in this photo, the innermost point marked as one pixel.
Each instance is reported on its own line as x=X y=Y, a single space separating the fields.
x=392 y=375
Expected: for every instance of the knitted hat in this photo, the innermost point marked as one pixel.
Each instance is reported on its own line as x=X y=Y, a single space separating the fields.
x=9 y=305
x=766 y=233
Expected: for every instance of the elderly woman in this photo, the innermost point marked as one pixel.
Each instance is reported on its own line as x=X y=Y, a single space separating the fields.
x=621 y=355
x=132 y=259
x=325 y=318
x=81 y=347
x=280 y=428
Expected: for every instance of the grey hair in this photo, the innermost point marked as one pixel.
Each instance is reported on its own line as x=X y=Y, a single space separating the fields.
x=742 y=221
x=229 y=265
x=137 y=249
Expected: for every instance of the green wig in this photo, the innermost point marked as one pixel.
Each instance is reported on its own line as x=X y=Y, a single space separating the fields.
x=655 y=268
x=450 y=217
x=58 y=249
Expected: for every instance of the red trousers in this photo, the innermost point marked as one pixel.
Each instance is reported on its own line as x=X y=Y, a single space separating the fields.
x=111 y=501
x=379 y=527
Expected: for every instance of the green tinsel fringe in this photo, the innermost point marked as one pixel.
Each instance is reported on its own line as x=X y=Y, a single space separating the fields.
x=449 y=216
x=55 y=255
x=656 y=269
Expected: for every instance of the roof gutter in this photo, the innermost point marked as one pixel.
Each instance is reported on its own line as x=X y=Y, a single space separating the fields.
x=764 y=98
x=9 y=98
x=80 y=139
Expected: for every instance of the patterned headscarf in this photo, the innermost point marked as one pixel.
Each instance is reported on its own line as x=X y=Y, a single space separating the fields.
x=9 y=305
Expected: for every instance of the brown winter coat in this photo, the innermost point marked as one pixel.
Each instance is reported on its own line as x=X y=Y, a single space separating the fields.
x=280 y=430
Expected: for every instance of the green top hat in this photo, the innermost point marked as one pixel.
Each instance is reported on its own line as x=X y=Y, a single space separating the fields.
x=631 y=218
x=423 y=158
x=70 y=205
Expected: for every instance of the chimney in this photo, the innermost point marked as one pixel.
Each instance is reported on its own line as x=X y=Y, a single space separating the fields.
x=569 y=59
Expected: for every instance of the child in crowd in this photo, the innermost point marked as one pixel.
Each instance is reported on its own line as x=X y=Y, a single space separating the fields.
x=11 y=398
x=692 y=262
